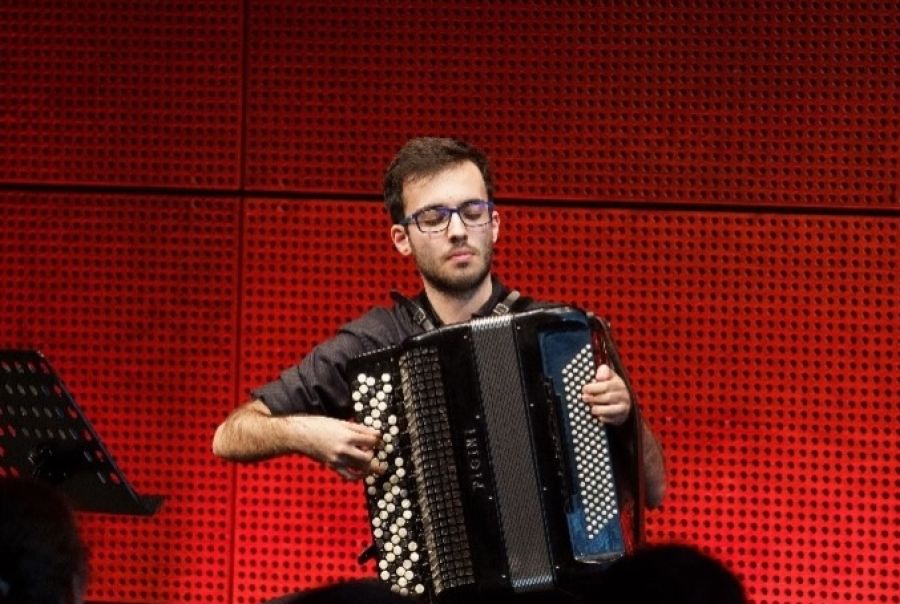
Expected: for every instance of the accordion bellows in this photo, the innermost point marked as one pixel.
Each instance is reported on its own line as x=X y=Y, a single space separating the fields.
x=498 y=478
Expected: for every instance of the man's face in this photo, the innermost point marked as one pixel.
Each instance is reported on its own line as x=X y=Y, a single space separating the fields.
x=456 y=260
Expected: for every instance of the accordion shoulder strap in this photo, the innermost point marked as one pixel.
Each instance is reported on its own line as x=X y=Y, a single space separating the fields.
x=506 y=305
x=419 y=316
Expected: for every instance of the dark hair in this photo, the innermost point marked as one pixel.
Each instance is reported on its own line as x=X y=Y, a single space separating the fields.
x=670 y=574
x=424 y=157
x=42 y=559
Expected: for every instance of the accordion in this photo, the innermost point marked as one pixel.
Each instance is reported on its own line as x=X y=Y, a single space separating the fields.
x=498 y=478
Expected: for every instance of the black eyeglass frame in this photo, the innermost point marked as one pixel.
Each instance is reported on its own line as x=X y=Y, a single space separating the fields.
x=449 y=212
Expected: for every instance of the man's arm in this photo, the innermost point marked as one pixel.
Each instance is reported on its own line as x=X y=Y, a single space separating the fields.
x=252 y=433
x=654 y=467
x=297 y=413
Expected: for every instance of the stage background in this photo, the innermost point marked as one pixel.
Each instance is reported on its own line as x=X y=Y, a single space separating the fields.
x=189 y=194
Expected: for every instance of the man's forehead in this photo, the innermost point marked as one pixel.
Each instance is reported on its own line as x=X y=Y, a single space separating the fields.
x=461 y=170
x=423 y=178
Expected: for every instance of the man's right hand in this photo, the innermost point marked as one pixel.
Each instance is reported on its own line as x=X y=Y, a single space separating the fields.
x=345 y=447
x=252 y=433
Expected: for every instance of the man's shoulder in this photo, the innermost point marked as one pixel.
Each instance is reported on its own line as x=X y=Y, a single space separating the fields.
x=381 y=323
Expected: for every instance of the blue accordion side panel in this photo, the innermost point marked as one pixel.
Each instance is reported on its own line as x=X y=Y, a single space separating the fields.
x=592 y=509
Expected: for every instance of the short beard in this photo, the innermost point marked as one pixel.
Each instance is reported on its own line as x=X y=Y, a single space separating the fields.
x=459 y=286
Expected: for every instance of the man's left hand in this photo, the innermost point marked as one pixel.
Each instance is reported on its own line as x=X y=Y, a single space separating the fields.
x=608 y=397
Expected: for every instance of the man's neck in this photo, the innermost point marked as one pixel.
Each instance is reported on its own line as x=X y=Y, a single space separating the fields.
x=454 y=307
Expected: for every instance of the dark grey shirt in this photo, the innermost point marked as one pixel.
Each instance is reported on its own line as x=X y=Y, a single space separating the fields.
x=318 y=383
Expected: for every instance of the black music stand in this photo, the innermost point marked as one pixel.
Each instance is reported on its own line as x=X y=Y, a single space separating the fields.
x=45 y=436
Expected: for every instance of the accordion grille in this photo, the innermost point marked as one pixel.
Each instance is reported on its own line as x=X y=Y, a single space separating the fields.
x=518 y=489
x=440 y=500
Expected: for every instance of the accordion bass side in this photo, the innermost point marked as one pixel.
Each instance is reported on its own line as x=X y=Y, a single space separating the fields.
x=498 y=478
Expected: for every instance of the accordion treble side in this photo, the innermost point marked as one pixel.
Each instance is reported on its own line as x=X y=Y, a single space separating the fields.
x=499 y=480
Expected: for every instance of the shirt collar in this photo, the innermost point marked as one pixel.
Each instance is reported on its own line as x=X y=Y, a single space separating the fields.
x=498 y=293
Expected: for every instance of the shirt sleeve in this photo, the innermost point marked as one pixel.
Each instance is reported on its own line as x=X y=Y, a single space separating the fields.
x=318 y=384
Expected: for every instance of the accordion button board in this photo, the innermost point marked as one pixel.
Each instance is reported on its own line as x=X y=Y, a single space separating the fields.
x=391 y=496
x=589 y=440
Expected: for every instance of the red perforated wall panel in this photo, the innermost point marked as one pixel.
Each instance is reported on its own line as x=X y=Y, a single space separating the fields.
x=134 y=302
x=740 y=103
x=128 y=93
x=718 y=178
x=763 y=348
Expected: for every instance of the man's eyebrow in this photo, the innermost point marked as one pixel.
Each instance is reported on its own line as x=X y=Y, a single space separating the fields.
x=434 y=206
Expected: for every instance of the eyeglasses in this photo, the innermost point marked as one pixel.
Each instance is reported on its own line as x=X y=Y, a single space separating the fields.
x=475 y=212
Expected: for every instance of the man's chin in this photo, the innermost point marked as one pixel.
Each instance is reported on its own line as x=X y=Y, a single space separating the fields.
x=458 y=284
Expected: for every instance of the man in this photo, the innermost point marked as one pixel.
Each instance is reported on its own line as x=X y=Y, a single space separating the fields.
x=439 y=193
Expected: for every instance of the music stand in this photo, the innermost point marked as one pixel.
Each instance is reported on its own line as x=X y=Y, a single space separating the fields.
x=45 y=436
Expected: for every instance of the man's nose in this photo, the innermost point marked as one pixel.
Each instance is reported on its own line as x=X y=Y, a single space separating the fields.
x=456 y=229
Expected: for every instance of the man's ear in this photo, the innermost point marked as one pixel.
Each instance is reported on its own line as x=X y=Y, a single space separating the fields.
x=400 y=237
x=495 y=225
